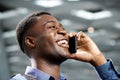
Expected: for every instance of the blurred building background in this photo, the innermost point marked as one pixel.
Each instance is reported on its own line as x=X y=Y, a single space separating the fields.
x=100 y=19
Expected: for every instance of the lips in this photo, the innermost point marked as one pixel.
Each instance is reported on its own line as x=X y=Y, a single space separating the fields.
x=63 y=43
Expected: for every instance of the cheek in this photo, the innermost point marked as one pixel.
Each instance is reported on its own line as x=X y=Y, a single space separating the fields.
x=45 y=42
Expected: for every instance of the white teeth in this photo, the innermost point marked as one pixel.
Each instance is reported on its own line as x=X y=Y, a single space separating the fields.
x=63 y=42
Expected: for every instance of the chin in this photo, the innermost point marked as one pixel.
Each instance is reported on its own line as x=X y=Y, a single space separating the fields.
x=63 y=52
x=60 y=54
x=58 y=58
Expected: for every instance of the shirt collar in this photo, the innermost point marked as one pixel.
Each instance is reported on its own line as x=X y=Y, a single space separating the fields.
x=40 y=75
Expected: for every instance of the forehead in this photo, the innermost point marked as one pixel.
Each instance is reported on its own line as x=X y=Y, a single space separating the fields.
x=39 y=27
x=44 y=18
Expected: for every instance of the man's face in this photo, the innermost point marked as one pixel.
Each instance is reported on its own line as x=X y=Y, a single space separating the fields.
x=51 y=38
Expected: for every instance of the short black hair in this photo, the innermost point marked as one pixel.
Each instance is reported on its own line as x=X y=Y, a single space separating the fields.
x=24 y=24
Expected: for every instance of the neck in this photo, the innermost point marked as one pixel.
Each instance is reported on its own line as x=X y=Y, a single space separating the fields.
x=47 y=67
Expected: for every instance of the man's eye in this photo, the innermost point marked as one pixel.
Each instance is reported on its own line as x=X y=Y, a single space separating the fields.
x=53 y=27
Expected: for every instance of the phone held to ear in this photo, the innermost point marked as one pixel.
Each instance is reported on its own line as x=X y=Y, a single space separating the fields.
x=72 y=44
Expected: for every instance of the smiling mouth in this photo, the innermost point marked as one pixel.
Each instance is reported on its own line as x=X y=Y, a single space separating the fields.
x=63 y=43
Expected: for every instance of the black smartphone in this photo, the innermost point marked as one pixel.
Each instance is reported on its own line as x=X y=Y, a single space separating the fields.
x=72 y=44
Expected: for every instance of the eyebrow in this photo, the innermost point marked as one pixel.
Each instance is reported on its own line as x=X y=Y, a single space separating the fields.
x=49 y=22
x=53 y=22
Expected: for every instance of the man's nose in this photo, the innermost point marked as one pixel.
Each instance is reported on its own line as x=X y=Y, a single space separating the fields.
x=63 y=32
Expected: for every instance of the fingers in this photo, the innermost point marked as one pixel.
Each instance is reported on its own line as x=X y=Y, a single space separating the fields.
x=82 y=38
x=81 y=35
x=72 y=34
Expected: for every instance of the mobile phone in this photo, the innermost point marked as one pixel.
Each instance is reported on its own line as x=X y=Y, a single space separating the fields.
x=72 y=44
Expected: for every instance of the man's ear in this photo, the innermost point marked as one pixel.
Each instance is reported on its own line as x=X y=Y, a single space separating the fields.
x=30 y=42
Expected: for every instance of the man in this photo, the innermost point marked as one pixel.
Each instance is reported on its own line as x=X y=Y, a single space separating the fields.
x=43 y=38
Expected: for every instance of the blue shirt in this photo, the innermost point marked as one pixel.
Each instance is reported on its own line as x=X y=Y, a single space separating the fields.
x=40 y=75
x=37 y=74
x=106 y=72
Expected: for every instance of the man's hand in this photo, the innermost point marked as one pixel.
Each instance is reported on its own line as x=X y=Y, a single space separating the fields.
x=87 y=50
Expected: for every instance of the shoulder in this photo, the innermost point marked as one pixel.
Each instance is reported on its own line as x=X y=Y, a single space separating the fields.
x=18 y=77
x=23 y=77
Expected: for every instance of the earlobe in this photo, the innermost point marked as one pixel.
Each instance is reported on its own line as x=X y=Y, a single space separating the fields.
x=30 y=42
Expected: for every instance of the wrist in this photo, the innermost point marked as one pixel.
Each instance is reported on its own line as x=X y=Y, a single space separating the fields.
x=98 y=60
